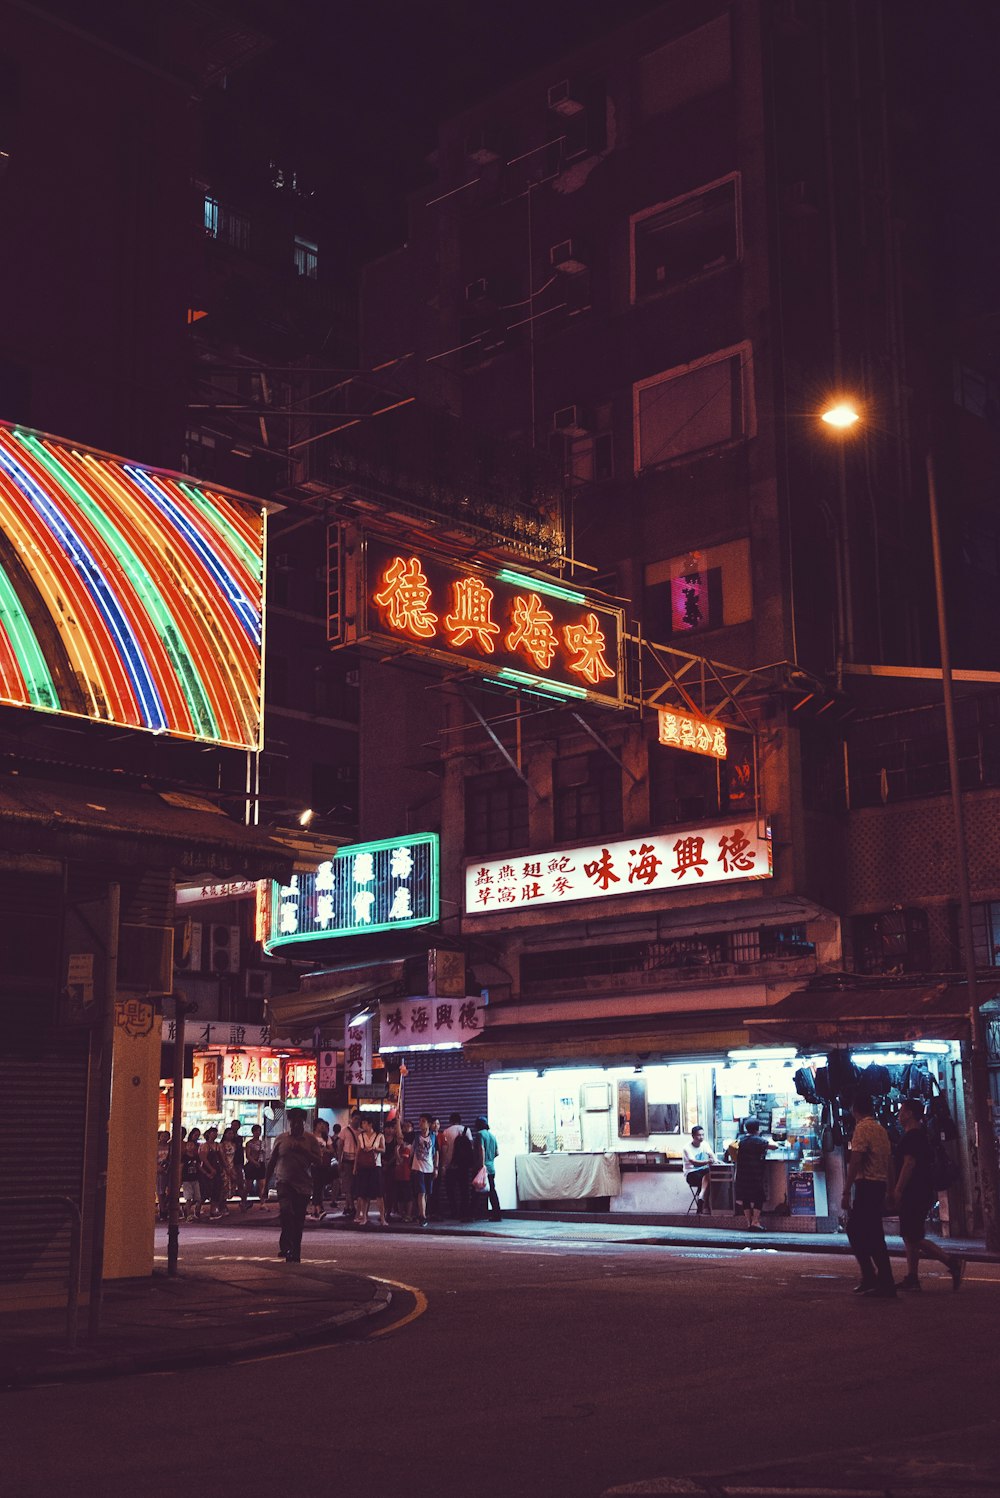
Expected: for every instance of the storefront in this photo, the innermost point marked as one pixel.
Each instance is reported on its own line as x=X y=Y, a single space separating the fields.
x=602 y=1134
x=251 y=1083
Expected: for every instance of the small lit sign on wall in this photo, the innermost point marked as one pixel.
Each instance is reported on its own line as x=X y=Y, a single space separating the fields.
x=300 y=1083
x=529 y=632
x=687 y=731
x=383 y=886
x=249 y=1076
x=429 y=1023
x=686 y=860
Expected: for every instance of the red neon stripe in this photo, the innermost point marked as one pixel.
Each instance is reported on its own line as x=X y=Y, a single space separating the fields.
x=213 y=538
x=13 y=687
x=157 y=660
x=114 y=681
x=152 y=545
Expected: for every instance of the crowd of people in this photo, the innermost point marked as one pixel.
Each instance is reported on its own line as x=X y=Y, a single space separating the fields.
x=373 y=1171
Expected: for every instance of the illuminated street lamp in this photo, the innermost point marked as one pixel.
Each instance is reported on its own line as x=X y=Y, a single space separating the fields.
x=843 y=416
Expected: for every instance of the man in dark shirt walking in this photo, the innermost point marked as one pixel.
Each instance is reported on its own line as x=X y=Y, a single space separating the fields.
x=915 y=1196
x=293 y=1156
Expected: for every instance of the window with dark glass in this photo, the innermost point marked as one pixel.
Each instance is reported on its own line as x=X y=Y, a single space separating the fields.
x=587 y=796
x=692 y=408
x=894 y=941
x=685 y=238
x=985 y=933
x=496 y=812
x=225 y=223
x=682 y=787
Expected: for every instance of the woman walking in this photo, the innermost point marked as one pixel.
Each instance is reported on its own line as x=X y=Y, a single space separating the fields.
x=211 y=1172
x=368 y=1174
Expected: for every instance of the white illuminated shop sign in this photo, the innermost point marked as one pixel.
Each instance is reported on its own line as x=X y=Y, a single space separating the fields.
x=247 y=1076
x=429 y=1023
x=719 y=854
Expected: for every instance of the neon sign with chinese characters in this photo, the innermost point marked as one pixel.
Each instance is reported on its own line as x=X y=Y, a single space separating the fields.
x=685 y=859
x=384 y=886
x=530 y=632
x=300 y=1083
x=687 y=731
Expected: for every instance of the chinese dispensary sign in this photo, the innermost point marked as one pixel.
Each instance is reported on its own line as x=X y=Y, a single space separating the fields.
x=530 y=632
x=409 y=1024
x=719 y=854
x=382 y=886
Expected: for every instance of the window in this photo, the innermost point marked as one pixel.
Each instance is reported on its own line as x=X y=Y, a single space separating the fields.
x=496 y=813
x=682 y=787
x=694 y=407
x=226 y=224
x=306 y=258
x=985 y=933
x=688 y=237
x=587 y=796
x=977 y=394
x=896 y=941
x=699 y=591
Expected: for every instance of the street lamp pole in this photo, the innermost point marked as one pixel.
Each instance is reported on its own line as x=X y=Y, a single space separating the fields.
x=989 y=1172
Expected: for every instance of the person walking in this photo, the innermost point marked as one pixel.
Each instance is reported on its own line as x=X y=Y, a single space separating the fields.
x=424 y=1166
x=869 y=1174
x=190 y=1203
x=914 y=1194
x=403 y=1173
x=293 y=1156
x=463 y=1164
x=368 y=1174
x=162 y=1174
x=321 y=1171
x=392 y=1134
x=490 y=1151
x=239 y=1180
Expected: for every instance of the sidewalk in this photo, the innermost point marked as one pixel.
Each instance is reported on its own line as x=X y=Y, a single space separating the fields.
x=618 y=1227
x=209 y=1316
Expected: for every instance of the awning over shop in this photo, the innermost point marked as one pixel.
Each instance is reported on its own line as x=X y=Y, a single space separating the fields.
x=325 y=999
x=867 y=1013
x=646 y=1037
x=145 y=828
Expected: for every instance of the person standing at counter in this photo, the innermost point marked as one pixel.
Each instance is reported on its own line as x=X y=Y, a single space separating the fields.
x=869 y=1173
x=697 y=1162
x=749 y=1186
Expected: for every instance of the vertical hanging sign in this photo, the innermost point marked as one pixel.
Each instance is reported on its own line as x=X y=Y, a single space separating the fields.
x=358 y=1053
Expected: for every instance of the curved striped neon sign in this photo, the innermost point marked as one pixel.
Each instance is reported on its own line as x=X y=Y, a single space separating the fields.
x=128 y=595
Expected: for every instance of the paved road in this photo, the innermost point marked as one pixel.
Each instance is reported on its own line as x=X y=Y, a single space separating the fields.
x=551 y=1368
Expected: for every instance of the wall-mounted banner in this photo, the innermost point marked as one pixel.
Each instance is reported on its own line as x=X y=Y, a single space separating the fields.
x=383 y=886
x=663 y=861
x=530 y=632
x=205 y=894
x=417 y=1024
x=687 y=731
x=208 y=1032
x=358 y=1052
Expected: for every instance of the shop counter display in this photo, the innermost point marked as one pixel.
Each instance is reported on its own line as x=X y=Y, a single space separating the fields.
x=567 y=1177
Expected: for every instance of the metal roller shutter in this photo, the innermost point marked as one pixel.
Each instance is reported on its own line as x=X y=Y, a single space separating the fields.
x=443 y=1082
x=43 y=1103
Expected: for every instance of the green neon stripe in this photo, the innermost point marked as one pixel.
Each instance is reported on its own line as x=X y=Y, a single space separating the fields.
x=554 y=590
x=539 y=684
x=219 y=522
x=34 y=667
x=152 y=600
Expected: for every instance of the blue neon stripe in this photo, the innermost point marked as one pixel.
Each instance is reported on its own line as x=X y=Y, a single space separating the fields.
x=138 y=672
x=242 y=607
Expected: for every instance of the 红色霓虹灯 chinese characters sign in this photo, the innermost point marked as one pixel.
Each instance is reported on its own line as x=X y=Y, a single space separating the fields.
x=527 y=631
x=382 y=886
x=663 y=861
x=409 y=1024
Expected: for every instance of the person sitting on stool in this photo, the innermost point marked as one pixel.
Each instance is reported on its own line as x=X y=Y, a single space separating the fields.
x=698 y=1160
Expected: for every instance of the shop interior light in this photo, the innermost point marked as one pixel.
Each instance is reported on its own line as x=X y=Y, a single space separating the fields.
x=932 y=1047
x=540 y=684
x=306 y=817
x=540 y=585
x=361 y=1018
x=765 y=1053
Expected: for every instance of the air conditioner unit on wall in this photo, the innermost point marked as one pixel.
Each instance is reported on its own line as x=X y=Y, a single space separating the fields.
x=563 y=98
x=224 y=949
x=571 y=421
x=567 y=256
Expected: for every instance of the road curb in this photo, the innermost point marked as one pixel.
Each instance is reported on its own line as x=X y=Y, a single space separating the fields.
x=196 y=1357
